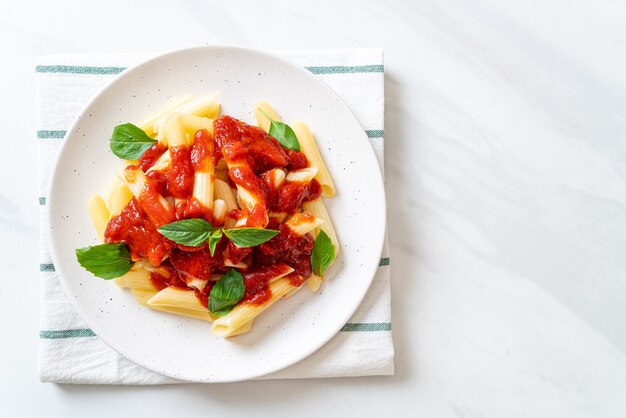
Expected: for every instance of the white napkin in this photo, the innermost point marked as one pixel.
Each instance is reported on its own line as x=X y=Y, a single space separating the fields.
x=71 y=353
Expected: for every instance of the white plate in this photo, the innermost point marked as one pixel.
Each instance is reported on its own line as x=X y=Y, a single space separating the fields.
x=291 y=329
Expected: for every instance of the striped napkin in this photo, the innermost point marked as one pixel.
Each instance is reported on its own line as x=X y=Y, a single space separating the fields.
x=70 y=352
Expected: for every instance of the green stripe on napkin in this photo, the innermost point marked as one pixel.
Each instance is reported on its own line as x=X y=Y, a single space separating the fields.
x=46 y=267
x=343 y=69
x=77 y=69
x=66 y=333
x=375 y=133
x=366 y=326
x=50 y=134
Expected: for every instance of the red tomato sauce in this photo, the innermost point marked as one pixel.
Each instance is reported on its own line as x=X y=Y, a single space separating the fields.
x=250 y=154
x=288 y=248
x=135 y=228
x=151 y=155
x=257 y=283
x=171 y=279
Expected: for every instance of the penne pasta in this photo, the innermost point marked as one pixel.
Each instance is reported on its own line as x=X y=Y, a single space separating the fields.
x=309 y=148
x=203 y=168
x=148 y=124
x=201 y=106
x=317 y=208
x=138 y=279
x=120 y=282
x=181 y=298
x=192 y=124
x=262 y=121
x=99 y=215
x=244 y=313
x=302 y=176
x=173 y=210
x=142 y=297
x=314 y=282
x=174 y=131
x=219 y=211
x=303 y=223
x=119 y=197
x=157 y=208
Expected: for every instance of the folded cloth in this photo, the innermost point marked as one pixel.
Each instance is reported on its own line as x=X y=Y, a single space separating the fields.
x=70 y=352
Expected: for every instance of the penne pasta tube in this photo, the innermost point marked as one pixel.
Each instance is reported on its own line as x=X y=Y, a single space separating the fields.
x=196 y=283
x=120 y=282
x=261 y=120
x=192 y=124
x=302 y=176
x=303 y=223
x=162 y=163
x=309 y=147
x=224 y=192
x=157 y=208
x=99 y=215
x=279 y=216
x=317 y=208
x=180 y=298
x=252 y=204
x=203 y=189
x=119 y=197
x=244 y=312
x=219 y=211
x=174 y=131
x=148 y=124
x=276 y=177
x=204 y=169
x=202 y=106
x=142 y=297
x=314 y=282
x=138 y=279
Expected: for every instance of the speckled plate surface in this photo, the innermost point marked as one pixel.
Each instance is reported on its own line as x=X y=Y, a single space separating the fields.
x=291 y=329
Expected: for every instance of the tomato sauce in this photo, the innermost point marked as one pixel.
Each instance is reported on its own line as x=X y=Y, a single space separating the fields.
x=257 y=283
x=151 y=155
x=289 y=248
x=201 y=150
x=135 y=228
x=250 y=154
x=171 y=279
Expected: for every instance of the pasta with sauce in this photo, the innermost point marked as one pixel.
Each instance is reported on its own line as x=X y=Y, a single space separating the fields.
x=215 y=200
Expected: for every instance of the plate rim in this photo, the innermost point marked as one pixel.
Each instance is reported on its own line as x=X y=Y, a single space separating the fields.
x=53 y=184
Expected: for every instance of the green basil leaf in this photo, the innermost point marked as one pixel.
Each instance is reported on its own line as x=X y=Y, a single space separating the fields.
x=191 y=232
x=249 y=237
x=323 y=253
x=226 y=293
x=106 y=261
x=129 y=142
x=214 y=238
x=283 y=133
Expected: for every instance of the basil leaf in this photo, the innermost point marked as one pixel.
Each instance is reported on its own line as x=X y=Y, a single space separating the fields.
x=283 y=133
x=226 y=293
x=191 y=232
x=129 y=142
x=214 y=238
x=249 y=237
x=323 y=253
x=106 y=261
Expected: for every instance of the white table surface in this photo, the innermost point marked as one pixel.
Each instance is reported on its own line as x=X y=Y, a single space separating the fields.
x=505 y=134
